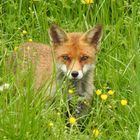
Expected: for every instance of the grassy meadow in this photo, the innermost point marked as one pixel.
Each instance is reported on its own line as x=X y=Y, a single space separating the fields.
x=24 y=115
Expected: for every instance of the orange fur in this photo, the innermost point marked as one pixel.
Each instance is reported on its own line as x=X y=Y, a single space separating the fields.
x=75 y=48
x=73 y=53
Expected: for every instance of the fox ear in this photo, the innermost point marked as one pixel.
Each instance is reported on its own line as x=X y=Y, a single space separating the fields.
x=93 y=36
x=57 y=35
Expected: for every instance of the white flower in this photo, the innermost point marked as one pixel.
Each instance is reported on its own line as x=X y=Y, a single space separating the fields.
x=4 y=86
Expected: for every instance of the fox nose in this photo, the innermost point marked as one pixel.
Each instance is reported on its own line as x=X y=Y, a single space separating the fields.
x=74 y=74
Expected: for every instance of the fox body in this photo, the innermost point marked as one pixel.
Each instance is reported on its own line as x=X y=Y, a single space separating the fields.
x=71 y=55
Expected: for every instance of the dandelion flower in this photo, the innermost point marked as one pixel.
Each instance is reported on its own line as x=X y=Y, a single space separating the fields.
x=24 y=32
x=72 y=120
x=70 y=91
x=104 y=97
x=50 y=124
x=87 y=1
x=30 y=40
x=124 y=102
x=110 y=92
x=96 y=132
x=98 y=92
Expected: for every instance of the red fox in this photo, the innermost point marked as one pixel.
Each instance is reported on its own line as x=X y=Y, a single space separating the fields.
x=73 y=55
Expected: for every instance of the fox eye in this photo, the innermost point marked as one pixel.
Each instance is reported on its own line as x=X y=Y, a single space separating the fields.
x=84 y=58
x=66 y=58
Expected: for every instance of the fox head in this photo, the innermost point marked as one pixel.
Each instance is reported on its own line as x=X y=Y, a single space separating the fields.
x=75 y=53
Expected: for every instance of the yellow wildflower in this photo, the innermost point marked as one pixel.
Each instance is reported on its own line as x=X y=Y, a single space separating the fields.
x=30 y=40
x=98 y=92
x=110 y=92
x=104 y=96
x=87 y=1
x=124 y=102
x=96 y=132
x=24 y=32
x=72 y=120
x=70 y=91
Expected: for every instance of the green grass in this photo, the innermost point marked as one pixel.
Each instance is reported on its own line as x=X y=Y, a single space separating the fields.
x=23 y=115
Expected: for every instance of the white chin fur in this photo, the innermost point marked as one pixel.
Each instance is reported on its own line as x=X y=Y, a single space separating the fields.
x=87 y=67
x=64 y=68
x=80 y=75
